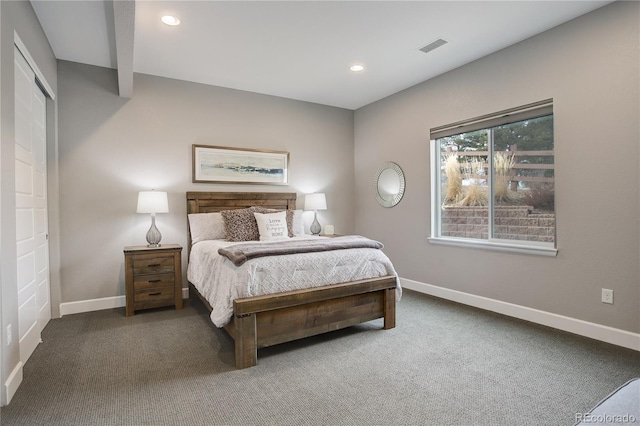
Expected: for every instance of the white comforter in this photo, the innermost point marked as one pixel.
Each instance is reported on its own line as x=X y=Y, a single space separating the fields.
x=220 y=281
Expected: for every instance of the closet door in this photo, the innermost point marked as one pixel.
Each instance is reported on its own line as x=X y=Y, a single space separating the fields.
x=34 y=307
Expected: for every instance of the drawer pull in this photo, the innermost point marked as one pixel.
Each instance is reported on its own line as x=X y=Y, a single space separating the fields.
x=155 y=294
x=154 y=281
x=153 y=265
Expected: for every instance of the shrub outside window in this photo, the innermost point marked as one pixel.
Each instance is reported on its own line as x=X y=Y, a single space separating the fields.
x=493 y=181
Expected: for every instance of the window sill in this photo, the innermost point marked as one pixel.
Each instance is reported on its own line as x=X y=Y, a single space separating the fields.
x=540 y=250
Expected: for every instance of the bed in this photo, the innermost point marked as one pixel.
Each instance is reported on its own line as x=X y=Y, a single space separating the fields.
x=270 y=319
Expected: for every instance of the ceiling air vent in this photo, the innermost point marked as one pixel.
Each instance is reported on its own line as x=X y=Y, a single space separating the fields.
x=433 y=45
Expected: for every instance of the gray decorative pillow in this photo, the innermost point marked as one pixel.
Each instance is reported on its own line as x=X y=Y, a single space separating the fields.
x=240 y=225
x=290 y=214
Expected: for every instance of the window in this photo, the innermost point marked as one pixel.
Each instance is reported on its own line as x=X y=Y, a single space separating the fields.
x=493 y=181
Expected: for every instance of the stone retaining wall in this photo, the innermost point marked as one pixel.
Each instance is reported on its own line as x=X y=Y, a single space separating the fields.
x=511 y=223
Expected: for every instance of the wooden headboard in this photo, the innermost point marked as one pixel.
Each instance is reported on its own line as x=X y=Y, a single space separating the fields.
x=211 y=202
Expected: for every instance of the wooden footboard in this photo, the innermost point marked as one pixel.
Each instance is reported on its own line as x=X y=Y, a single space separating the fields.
x=263 y=321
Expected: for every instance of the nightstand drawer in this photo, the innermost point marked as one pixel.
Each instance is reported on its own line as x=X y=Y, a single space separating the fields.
x=152 y=265
x=154 y=294
x=141 y=282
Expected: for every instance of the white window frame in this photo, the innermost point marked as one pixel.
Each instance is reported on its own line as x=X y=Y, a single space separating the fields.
x=488 y=121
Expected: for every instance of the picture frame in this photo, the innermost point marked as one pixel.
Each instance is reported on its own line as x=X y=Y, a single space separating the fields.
x=220 y=164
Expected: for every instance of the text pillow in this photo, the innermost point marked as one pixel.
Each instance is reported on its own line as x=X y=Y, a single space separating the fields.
x=272 y=226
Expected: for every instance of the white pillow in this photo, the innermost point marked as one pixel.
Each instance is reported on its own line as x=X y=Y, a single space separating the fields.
x=206 y=226
x=272 y=226
x=298 y=223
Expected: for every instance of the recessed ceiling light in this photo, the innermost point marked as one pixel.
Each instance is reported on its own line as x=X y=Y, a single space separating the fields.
x=356 y=68
x=170 y=20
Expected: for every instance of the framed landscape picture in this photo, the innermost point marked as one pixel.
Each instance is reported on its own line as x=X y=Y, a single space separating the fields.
x=218 y=164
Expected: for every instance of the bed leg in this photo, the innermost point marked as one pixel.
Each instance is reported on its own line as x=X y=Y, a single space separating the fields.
x=245 y=339
x=389 y=308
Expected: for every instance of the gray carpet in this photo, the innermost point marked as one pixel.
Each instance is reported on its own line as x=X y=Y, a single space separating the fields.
x=444 y=364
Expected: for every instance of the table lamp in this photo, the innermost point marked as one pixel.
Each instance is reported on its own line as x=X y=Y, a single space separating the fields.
x=316 y=201
x=153 y=202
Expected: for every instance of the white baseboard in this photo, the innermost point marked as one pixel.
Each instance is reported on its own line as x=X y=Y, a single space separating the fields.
x=80 y=306
x=603 y=333
x=90 y=305
x=12 y=383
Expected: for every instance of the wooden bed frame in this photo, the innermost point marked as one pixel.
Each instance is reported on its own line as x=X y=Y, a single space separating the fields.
x=262 y=321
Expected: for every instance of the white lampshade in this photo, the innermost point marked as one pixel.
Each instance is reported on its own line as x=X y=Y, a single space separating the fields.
x=152 y=202
x=315 y=201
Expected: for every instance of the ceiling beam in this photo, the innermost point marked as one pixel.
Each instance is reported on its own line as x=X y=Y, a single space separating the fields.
x=124 y=17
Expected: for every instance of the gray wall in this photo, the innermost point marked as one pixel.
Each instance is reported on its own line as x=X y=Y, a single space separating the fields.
x=110 y=148
x=17 y=16
x=590 y=67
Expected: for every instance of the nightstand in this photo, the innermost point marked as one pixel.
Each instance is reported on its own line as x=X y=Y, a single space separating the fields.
x=153 y=277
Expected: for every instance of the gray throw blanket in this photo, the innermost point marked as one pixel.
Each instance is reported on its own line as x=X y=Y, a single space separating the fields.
x=240 y=253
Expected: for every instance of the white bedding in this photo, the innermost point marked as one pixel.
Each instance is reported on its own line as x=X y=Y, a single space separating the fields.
x=220 y=281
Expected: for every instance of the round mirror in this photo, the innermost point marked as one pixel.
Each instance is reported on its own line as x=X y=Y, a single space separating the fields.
x=389 y=184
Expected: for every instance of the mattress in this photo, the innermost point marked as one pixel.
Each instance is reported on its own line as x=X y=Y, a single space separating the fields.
x=220 y=282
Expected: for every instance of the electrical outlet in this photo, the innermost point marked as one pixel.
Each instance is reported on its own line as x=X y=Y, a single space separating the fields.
x=8 y=334
x=607 y=296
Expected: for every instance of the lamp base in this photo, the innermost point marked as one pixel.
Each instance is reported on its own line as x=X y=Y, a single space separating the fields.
x=315 y=225
x=153 y=234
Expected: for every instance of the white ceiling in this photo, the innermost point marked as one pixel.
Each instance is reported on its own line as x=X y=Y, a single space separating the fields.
x=302 y=49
